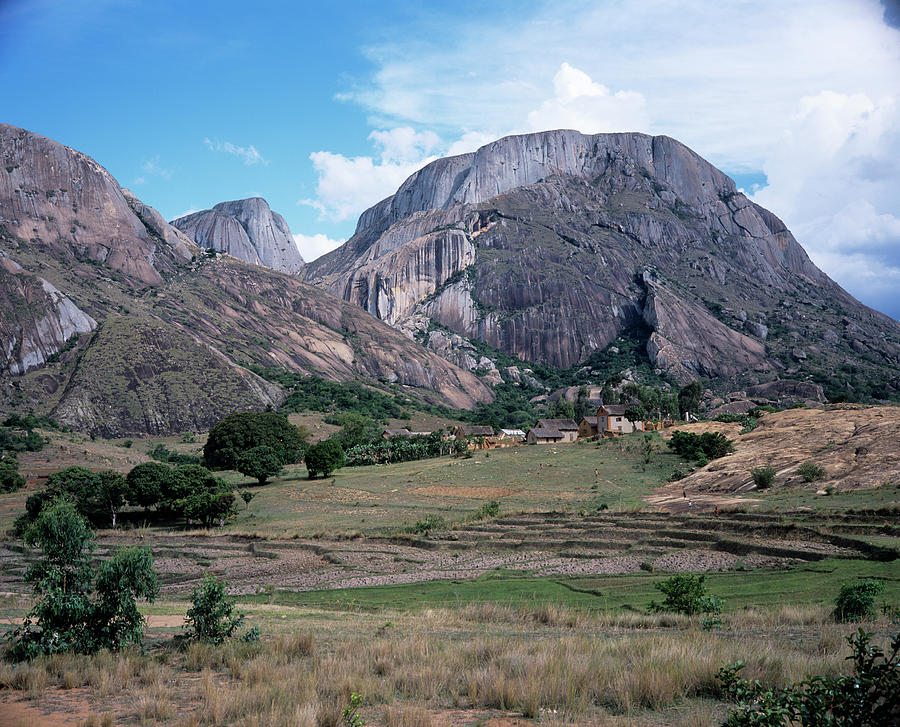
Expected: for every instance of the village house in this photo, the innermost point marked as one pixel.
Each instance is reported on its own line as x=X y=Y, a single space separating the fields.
x=589 y=427
x=516 y=434
x=388 y=433
x=611 y=420
x=472 y=430
x=552 y=431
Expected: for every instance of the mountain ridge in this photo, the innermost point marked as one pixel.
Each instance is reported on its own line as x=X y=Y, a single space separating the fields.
x=538 y=245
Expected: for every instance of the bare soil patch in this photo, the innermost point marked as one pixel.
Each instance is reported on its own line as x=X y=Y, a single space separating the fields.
x=465 y=491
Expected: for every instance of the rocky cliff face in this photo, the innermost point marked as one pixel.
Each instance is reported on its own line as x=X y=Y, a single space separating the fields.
x=161 y=327
x=247 y=229
x=549 y=246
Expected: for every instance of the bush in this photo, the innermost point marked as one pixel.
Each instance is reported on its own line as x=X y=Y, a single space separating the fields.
x=810 y=471
x=66 y=617
x=239 y=432
x=685 y=593
x=710 y=445
x=763 y=477
x=10 y=479
x=211 y=618
x=161 y=453
x=324 y=457
x=147 y=482
x=427 y=524
x=489 y=509
x=868 y=697
x=259 y=462
x=856 y=601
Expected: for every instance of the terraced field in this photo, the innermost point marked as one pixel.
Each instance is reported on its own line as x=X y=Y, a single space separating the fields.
x=535 y=545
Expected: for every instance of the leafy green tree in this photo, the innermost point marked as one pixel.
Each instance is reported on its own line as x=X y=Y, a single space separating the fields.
x=689 y=398
x=709 y=445
x=259 y=462
x=98 y=496
x=147 y=482
x=211 y=618
x=239 y=432
x=685 y=593
x=635 y=413
x=581 y=407
x=324 y=457
x=121 y=580
x=356 y=429
x=79 y=607
x=810 y=471
x=561 y=409
x=209 y=506
x=10 y=479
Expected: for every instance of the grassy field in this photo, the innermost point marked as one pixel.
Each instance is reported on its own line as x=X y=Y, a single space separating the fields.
x=813 y=585
x=371 y=499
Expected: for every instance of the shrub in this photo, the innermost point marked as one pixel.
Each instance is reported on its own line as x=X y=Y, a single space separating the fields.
x=10 y=479
x=711 y=445
x=211 y=618
x=810 y=471
x=427 y=524
x=870 y=696
x=763 y=477
x=324 y=457
x=239 y=432
x=65 y=616
x=489 y=509
x=161 y=453
x=856 y=601
x=260 y=462
x=685 y=593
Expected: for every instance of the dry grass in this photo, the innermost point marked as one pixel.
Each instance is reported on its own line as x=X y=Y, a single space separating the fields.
x=555 y=666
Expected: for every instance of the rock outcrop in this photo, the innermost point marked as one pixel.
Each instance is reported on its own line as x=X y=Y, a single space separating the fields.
x=247 y=229
x=81 y=255
x=550 y=246
x=36 y=319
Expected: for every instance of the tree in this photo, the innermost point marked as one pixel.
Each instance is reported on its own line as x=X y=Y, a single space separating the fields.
x=357 y=429
x=239 y=432
x=685 y=593
x=212 y=502
x=98 y=496
x=635 y=413
x=259 y=462
x=147 y=482
x=324 y=457
x=211 y=618
x=10 y=479
x=689 y=398
x=562 y=409
x=582 y=407
x=79 y=607
x=763 y=477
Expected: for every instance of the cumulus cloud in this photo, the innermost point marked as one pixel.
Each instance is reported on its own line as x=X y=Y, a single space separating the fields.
x=248 y=154
x=348 y=185
x=833 y=176
x=313 y=246
x=581 y=103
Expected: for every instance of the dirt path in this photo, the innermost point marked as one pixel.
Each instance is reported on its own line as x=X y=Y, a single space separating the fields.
x=15 y=711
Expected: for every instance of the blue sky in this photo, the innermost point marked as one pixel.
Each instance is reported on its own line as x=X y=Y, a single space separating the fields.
x=324 y=109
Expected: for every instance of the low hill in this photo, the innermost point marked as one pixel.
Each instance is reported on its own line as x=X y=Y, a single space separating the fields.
x=856 y=445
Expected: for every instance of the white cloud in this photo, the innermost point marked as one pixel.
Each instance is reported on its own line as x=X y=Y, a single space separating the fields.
x=312 y=246
x=833 y=177
x=348 y=185
x=249 y=154
x=580 y=103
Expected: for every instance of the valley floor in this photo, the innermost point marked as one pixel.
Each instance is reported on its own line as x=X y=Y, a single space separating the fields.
x=386 y=582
